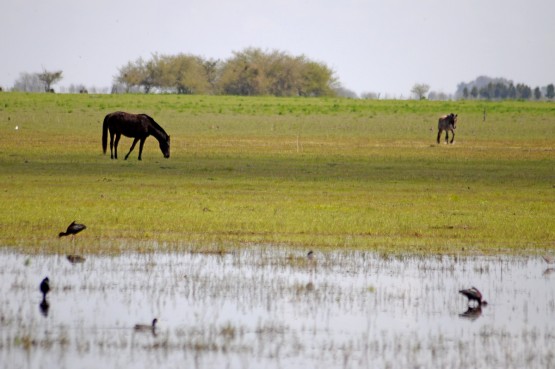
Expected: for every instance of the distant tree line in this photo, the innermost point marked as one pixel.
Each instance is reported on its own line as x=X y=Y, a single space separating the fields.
x=248 y=72
x=37 y=82
x=502 y=89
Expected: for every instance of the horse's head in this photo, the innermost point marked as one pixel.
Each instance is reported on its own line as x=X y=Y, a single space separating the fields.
x=454 y=120
x=165 y=147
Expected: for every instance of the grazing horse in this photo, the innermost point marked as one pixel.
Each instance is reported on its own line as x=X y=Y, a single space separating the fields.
x=137 y=126
x=447 y=123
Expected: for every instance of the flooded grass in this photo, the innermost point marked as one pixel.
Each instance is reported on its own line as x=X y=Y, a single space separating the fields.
x=274 y=308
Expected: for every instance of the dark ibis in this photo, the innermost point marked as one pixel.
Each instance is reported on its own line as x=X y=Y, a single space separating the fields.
x=146 y=327
x=44 y=287
x=73 y=229
x=473 y=294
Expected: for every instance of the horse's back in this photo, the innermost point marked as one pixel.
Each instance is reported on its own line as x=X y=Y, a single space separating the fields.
x=442 y=120
x=447 y=121
x=128 y=124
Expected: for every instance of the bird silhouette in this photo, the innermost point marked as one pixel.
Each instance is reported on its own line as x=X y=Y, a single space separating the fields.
x=310 y=255
x=44 y=287
x=473 y=294
x=73 y=229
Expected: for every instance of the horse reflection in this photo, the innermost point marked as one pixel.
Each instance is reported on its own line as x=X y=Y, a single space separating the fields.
x=472 y=313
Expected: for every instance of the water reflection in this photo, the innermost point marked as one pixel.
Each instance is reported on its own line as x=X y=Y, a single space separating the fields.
x=472 y=313
x=44 y=306
x=275 y=308
x=75 y=259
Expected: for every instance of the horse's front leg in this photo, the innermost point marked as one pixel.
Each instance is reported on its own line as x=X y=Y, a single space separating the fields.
x=141 y=148
x=447 y=136
x=452 y=136
x=132 y=147
x=438 y=136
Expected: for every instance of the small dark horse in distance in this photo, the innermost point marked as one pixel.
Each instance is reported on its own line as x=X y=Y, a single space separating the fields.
x=136 y=126
x=447 y=123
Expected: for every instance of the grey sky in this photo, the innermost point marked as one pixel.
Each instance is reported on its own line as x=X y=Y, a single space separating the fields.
x=381 y=46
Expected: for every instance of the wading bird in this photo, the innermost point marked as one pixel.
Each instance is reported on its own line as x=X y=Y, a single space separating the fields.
x=310 y=255
x=44 y=287
x=146 y=327
x=474 y=295
x=72 y=229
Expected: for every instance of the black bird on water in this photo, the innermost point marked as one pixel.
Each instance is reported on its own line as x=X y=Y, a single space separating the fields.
x=44 y=287
x=73 y=229
x=146 y=327
x=474 y=295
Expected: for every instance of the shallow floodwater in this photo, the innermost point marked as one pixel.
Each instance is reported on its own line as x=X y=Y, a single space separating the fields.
x=273 y=308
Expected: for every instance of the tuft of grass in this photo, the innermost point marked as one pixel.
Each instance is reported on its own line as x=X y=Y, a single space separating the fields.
x=314 y=173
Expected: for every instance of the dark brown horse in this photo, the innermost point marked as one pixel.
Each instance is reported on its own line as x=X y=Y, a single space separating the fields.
x=137 y=126
x=447 y=123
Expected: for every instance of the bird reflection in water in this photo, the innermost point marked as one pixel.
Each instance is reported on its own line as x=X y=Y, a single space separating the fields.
x=44 y=306
x=549 y=260
x=75 y=259
x=472 y=313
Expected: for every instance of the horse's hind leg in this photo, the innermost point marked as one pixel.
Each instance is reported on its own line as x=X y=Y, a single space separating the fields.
x=118 y=136
x=446 y=137
x=131 y=149
x=112 y=146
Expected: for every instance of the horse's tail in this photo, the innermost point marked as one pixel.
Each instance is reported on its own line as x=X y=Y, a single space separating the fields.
x=105 y=134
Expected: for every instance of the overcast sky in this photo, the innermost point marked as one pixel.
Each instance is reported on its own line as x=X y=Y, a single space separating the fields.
x=382 y=46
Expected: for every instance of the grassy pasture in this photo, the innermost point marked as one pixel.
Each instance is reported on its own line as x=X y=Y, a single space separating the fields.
x=314 y=173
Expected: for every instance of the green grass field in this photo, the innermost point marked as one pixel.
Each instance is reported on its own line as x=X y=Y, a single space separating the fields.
x=313 y=173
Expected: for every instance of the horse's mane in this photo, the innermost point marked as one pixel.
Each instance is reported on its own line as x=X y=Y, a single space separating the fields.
x=156 y=125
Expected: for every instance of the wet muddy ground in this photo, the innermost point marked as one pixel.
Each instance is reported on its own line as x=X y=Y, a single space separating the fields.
x=274 y=308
